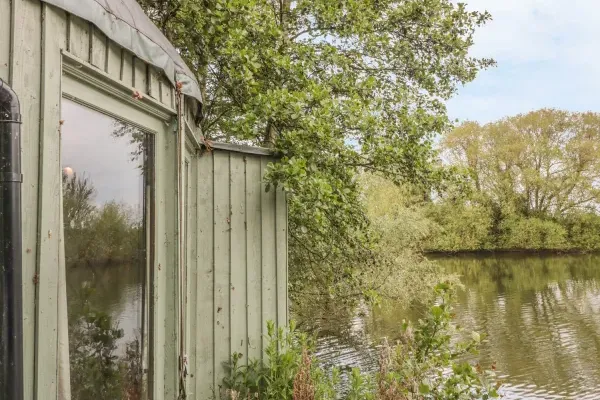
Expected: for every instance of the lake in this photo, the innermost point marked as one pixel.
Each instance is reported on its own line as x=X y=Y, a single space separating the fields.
x=115 y=290
x=541 y=316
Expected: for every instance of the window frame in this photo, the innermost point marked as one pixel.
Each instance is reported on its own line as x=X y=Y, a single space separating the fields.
x=92 y=88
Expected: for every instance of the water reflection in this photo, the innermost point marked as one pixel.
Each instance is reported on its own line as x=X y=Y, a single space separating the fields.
x=541 y=316
x=105 y=181
x=116 y=290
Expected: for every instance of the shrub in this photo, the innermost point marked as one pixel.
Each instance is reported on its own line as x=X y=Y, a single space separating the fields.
x=533 y=234
x=459 y=227
x=426 y=364
x=583 y=231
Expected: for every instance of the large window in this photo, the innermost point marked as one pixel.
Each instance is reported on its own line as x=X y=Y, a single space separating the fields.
x=107 y=182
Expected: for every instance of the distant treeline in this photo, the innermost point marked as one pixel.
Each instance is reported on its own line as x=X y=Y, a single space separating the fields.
x=110 y=233
x=529 y=182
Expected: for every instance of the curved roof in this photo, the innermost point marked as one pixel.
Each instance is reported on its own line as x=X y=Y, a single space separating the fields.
x=124 y=22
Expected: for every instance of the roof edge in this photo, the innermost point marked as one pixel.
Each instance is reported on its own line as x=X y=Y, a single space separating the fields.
x=241 y=148
x=144 y=44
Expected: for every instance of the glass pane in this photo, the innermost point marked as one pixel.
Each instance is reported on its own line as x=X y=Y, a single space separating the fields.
x=106 y=176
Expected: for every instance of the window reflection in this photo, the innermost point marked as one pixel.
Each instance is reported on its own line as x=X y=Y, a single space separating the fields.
x=106 y=179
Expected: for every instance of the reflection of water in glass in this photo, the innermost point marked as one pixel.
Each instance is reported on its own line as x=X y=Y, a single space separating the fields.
x=117 y=291
x=541 y=316
x=105 y=176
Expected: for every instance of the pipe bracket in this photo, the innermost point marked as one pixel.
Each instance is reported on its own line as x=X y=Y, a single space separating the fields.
x=10 y=177
x=10 y=117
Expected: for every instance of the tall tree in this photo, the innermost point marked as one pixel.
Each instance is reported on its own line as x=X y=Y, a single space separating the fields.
x=336 y=87
x=545 y=163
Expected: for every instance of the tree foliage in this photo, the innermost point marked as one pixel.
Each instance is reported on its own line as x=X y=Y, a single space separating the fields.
x=98 y=234
x=336 y=87
x=533 y=182
x=546 y=162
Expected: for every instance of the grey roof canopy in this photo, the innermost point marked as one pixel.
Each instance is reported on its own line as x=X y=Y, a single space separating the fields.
x=124 y=22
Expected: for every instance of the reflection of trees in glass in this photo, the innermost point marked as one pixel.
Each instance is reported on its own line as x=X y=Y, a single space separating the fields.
x=107 y=236
x=137 y=140
x=78 y=194
x=96 y=370
x=96 y=235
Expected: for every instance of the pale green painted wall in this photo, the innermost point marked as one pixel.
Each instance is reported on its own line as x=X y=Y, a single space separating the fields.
x=236 y=231
x=238 y=277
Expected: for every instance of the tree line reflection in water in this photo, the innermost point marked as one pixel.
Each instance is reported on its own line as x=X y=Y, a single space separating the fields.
x=541 y=316
x=105 y=170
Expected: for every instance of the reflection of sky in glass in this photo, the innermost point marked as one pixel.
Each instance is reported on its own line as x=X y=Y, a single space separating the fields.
x=90 y=147
x=91 y=150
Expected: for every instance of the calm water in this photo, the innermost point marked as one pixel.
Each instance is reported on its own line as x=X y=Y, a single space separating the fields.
x=117 y=290
x=541 y=316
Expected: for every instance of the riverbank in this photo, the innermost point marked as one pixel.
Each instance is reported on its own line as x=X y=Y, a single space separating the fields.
x=538 y=314
x=516 y=251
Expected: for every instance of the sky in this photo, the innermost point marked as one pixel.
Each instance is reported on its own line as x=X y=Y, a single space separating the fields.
x=548 y=55
x=89 y=150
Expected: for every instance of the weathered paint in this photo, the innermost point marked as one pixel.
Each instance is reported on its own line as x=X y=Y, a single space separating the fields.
x=53 y=24
x=5 y=43
x=203 y=371
x=25 y=75
x=235 y=231
x=241 y=264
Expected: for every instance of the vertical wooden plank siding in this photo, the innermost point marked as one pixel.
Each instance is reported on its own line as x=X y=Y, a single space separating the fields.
x=26 y=72
x=160 y=272
x=154 y=85
x=53 y=39
x=222 y=276
x=165 y=272
x=127 y=68
x=238 y=304
x=79 y=38
x=269 y=259
x=236 y=232
x=140 y=75
x=241 y=262
x=5 y=32
x=170 y=246
x=192 y=279
x=114 y=61
x=98 y=49
x=204 y=337
x=254 y=256
x=166 y=92
x=282 y=251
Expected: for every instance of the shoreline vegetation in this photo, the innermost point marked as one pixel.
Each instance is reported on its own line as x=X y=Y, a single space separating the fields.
x=508 y=252
x=523 y=184
x=411 y=368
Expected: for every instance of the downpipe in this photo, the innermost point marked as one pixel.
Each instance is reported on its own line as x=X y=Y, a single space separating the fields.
x=11 y=276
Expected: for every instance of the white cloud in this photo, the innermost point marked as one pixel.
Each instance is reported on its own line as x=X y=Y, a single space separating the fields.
x=547 y=55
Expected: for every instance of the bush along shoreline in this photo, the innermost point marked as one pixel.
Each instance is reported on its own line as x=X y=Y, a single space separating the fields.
x=427 y=363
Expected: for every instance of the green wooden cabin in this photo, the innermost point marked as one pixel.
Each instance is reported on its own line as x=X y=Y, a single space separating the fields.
x=121 y=198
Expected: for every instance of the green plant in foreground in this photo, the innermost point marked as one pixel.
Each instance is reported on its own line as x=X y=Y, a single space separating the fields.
x=426 y=364
x=287 y=371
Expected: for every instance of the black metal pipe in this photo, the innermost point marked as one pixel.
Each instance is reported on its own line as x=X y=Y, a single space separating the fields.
x=11 y=275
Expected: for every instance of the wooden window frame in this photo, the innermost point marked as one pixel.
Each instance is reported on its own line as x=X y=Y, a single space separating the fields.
x=86 y=85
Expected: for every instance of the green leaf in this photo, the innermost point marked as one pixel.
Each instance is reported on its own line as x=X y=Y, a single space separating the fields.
x=437 y=311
